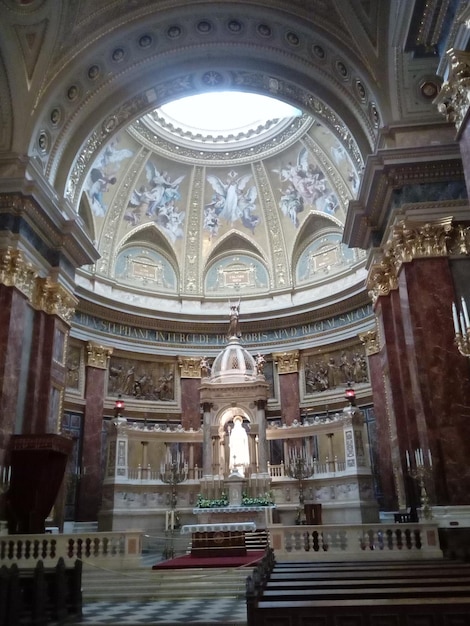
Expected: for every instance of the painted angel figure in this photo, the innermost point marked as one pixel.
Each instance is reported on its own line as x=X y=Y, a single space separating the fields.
x=159 y=192
x=232 y=199
x=306 y=183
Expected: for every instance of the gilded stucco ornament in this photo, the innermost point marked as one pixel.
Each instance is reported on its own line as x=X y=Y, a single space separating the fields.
x=412 y=240
x=409 y=240
x=370 y=340
x=54 y=299
x=382 y=278
x=97 y=355
x=287 y=362
x=453 y=100
x=15 y=271
x=190 y=367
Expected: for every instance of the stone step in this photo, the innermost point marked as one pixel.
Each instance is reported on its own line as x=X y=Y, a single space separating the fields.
x=145 y=585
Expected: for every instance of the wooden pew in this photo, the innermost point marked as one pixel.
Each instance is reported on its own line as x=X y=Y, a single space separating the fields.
x=437 y=594
x=41 y=596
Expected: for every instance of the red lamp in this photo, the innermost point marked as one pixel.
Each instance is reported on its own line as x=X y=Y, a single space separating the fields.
x=119 y=406
x=350 y=395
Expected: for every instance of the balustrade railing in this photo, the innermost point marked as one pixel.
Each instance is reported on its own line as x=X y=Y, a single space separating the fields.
x=149 y=474
x=113 y=549
x=350 y=542
x=319 y=468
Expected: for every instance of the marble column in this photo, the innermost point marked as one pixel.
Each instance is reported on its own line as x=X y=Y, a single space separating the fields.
x=89 y=492
x=190 y=374
x=15 y=336
x=287 y=366
x=425 y=386
x=439 y=376
x=390 y=470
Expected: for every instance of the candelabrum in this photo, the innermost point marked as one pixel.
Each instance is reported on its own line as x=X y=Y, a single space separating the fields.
x=421 y=471
x=299 y=467
x=462 y=328
x=172 y=473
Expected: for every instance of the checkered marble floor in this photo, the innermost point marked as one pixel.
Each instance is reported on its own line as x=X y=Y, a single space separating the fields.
x=224 y=611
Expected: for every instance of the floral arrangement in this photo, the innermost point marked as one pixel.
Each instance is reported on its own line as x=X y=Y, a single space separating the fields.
x=213 y=503
x=264 y=500
x=209 y=503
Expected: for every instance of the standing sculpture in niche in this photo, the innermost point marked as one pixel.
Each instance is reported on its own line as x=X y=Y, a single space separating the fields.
x=239 y=450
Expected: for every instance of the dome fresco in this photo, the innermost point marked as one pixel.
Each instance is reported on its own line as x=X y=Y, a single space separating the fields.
x=268 y=212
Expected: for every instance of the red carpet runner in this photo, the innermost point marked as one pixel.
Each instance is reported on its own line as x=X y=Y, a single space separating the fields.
x=187 y=560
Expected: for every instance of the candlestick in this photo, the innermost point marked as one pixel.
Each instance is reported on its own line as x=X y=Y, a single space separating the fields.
x=456 y=319
x=465 y=313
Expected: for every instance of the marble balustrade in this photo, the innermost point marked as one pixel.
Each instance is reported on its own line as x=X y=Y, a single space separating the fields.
x=113 y=550
x=344 y=542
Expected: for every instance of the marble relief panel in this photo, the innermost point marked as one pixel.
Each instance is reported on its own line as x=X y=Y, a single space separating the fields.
x=142 y=380
x=74 y=369
x=334 y=370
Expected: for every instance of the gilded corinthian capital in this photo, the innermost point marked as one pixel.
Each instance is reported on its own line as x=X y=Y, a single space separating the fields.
x=453 y=100
x=15 y=271
x=411 y=240
x=54 y=299
x=98 y=355
x=382 y=278
x=287 y=362
x=370 y=339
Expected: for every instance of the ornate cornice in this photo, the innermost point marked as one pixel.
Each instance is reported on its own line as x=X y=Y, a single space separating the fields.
x=98 y=356
x=15 y=271
x=411 y=240
x=370 y=340
x=453 y=100
x=190 y=367
x=54 y=299
x=386 y=178
x=287 y=362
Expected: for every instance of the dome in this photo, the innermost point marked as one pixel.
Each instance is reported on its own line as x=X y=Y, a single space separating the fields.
x=234 y=364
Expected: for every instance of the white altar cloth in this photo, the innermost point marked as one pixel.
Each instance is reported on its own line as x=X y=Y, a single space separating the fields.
x=213 y=528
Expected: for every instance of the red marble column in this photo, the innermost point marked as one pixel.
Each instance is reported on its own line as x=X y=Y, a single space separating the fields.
x=384 y=461
x=290 y=397
x=91 y=478
x=47 y=374
x=440 y=389
x=13 y=329
x=421 y=384
x=190 y=403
